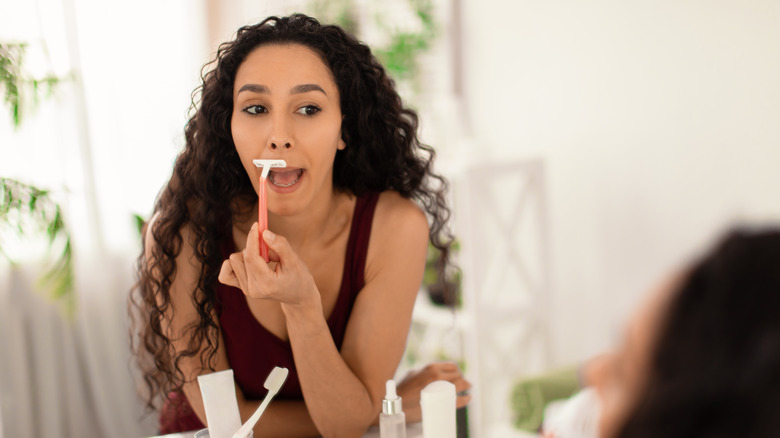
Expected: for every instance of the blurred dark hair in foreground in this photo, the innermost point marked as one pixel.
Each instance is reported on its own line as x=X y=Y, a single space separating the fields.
x=715 y=371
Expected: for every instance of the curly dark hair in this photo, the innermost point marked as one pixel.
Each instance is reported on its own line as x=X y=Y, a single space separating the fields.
x=715 y=371
x=209 y=186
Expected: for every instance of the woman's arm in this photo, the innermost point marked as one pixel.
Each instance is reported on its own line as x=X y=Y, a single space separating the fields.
x=343 y=390
x=282 y=418
x=378 y=327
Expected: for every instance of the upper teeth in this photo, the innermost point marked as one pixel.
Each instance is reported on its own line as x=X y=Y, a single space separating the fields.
x=273 y=181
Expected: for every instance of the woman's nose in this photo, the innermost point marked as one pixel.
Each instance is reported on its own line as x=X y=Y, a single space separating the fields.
x=280 y=136
x=278 y=144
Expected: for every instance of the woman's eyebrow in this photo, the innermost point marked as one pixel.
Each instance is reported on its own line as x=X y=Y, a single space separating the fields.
x=255 y=88
x=298 y=89
x=305 y=88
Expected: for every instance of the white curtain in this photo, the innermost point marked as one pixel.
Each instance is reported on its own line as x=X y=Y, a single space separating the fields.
x=103 y=144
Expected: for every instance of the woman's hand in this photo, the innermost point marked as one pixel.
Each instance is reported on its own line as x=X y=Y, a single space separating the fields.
x=415 y=381
x=285 y=278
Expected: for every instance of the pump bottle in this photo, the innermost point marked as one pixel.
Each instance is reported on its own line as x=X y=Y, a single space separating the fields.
x=392 y=421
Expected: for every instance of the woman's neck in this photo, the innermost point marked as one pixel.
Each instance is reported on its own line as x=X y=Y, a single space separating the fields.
x=324 y=218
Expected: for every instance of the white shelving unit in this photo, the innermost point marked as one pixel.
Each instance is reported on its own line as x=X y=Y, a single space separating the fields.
x=501 y=331
x=502 y=224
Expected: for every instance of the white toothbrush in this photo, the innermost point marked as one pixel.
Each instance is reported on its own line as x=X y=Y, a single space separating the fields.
x=273 y=383
x=262 y=204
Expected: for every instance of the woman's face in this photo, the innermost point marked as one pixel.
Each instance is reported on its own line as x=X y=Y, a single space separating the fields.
x=620 y=377
x=286 y=106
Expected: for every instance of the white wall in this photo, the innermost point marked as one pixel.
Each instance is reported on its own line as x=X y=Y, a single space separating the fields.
x=658 y=125
x=140 y=63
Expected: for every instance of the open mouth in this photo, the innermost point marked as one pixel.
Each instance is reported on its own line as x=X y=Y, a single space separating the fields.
x=285 y=178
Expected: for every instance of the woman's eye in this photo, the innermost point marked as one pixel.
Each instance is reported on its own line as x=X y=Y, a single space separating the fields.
x=308 y=110
x=255 y=109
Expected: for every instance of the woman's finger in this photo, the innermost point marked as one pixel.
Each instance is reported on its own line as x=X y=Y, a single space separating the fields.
x=252 y=242
x=462 y=400
x=278 y=244
x=237 y=263
x=442 y=371
x=227 y=275
x=252 y=252
x=461 y=384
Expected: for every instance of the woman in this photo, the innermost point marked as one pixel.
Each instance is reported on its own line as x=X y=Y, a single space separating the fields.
x=347 y=240
x=702 y=358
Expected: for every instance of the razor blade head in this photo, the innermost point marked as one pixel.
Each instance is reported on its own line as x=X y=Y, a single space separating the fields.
x=270 y=163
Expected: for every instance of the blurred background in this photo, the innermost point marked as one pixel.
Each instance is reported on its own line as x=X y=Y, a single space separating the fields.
x=592 y=147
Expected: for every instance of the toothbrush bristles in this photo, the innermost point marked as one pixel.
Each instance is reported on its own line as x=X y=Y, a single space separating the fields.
x=276 y=379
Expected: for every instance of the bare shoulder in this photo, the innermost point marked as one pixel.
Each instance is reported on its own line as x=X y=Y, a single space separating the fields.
x=395 y=214
x=399 y=236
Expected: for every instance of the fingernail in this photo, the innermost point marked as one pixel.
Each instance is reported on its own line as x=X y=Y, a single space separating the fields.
x=269 y=236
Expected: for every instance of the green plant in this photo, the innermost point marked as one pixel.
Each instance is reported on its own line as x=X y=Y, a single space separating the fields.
x=21 y=88
x=401 y=53
x=341 y=12
x=400 y=56
x=26 y=210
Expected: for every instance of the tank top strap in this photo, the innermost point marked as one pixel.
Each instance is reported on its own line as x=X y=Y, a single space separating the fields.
x=353 y=278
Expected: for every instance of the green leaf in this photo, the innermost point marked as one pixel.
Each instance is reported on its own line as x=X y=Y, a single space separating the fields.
x=140 y=223
x=17 y=83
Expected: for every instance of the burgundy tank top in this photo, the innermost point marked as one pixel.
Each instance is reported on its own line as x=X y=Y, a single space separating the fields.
x=253 y=351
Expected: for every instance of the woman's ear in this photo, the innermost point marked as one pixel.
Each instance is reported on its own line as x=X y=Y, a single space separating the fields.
x=343 y=135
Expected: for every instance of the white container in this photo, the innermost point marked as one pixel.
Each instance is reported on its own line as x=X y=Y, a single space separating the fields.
x=437 y=401
x=204 y=433
x=219 y=399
